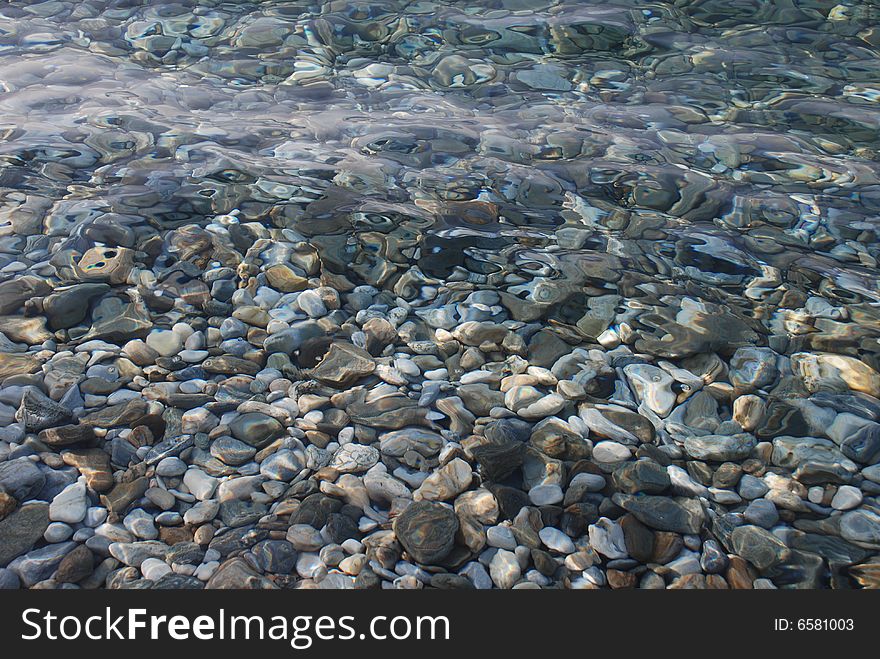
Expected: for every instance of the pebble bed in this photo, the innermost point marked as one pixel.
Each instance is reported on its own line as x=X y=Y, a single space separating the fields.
x=503 y=294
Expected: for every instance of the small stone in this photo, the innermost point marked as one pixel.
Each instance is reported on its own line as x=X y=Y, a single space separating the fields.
x=555 y=540
x=663 y=513
x=354 y=458
x=611 y=452
x=304 y=538
x=546 y=494
x=505 y=570
x=21 y=530
x=256 y=429
x=847 y=497
x=154 y=569
x=70 y=504
x=447 y=482
x=758 y=546
x=427 y=531
x=720 y=448
x=761 y=512
x=606 y=537
x=75 y=566
x=343 y=365
x=200 y=484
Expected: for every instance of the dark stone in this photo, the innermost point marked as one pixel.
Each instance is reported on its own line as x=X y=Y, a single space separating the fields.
x=278 y=556
x=510 y=500
x=427 y=531
x=639 y=538
x=315 y=510
x=21 y=478
x=238 y=539
x=498 y=461
x=21 y=530
x=577 y=517
x=641 y=476
x=367 y=580
x=38 y=412
x=508 y=430
x=545 y=347
x=256 y=429
x=124 y=494
x=76 y=566
x=342 y=527
x=544 y=562
x=863 y=446
x=758 y=546
x=446 y=581
x=663 y=513
x=70 y=307
x=235 y=513
x=185 y=553
x=177 y=582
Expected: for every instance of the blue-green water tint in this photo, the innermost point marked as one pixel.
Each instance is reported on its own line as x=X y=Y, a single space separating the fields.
x=657 y=152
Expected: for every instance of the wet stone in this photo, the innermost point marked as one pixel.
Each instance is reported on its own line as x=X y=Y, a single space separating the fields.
x=427 y=531
x=256 y=429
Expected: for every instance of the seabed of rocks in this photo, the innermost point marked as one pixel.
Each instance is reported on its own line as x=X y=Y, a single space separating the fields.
x=505 y=294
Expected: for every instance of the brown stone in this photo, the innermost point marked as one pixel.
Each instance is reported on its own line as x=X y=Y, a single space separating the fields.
x=171 y=535
x=15 y=364
x=76 y=566
x=689 y=582
x=7 y=504
x=619 y=580
x=638 y=537
x=283 y=278
x=92 y=463
x=106 y=264
x=667 y=546
x=739 y=575
x=343 y=365
x=25 y=330
x=67 y=435
x=236 y=574
x=124 y=494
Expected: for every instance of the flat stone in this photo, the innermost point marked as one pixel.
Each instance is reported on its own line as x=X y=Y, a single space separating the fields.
x=861 y=527
x=38 y=412
x=21 y=478
x=76 y=565
x=343 y=365
x=39 y=564
x=664 y=513
x=232 y=451
x=67 y=435
x=21 y=530
x=641 y=476
x=282 y=465
x=499 y=460
x=720 y=448
x=70 y=504
x=446 y=482
x=354 y=458
x=94 y=465
x=124 y=494
x=556 y=541
x=235 y=573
